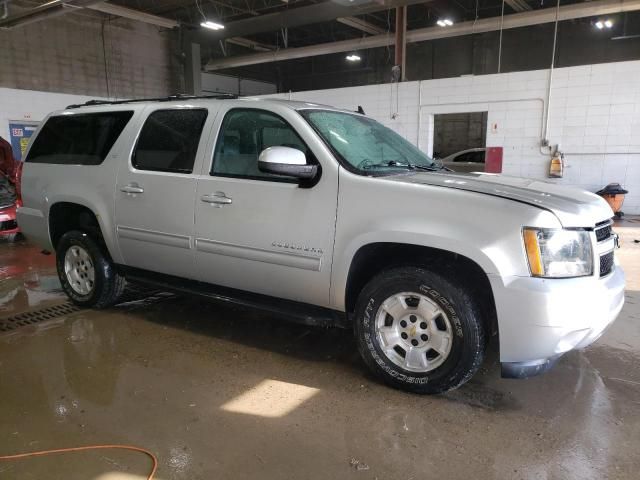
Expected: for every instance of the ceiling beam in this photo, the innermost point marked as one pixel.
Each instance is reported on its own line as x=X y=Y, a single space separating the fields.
x=361 y=25
x=518 y=5
x=41 y=12
x=515 y=20
x=253 y=45
x=296 y=17
x=119 y=11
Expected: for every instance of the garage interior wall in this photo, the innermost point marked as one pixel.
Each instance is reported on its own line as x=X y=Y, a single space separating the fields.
x=86 y=55
x=594 y=117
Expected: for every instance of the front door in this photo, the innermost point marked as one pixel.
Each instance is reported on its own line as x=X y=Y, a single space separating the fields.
x=261 y=232
x=155 y=192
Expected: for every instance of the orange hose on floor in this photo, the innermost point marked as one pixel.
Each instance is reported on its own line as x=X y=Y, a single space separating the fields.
x=88 y=447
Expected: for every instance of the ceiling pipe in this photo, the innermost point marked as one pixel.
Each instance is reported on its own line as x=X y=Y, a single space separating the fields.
x=515 y=20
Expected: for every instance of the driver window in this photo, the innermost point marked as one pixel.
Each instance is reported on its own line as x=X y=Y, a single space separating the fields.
x=243 y=135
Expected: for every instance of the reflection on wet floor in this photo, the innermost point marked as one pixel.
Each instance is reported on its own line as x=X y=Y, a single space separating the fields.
x=192 y=380
x=28 y=278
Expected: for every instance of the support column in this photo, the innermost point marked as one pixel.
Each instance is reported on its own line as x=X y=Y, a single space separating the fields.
x=401 y=40
x=193 y=70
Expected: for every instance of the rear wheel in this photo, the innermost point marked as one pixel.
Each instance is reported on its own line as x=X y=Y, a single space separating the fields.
x=418 y=331
x=87 y=275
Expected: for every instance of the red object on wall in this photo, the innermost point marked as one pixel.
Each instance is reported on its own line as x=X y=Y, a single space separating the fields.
x=493 y=160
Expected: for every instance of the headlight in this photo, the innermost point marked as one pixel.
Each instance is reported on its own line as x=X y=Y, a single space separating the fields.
x=555 y=253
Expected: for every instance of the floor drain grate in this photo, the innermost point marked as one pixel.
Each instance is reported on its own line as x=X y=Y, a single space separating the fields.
x=37 y=316
x=131 y=294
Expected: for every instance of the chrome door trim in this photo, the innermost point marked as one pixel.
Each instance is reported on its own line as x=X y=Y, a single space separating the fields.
x=294 y=260
x=160 y=238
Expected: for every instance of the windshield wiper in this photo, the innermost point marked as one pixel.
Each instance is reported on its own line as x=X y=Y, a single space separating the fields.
x=432 y=168
x=389 y=164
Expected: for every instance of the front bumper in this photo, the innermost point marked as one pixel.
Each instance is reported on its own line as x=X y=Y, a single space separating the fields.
x=540 y=319
x=8 y=224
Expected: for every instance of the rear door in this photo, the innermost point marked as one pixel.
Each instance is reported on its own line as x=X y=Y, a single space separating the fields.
x=261 y=232
x=156 y=189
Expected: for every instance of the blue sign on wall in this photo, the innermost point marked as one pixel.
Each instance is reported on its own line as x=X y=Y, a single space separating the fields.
x=20 y=133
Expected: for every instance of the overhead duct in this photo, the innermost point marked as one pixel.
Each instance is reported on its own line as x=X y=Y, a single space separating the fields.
x=515 y=20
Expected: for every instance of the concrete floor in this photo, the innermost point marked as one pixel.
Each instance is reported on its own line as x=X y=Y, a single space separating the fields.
x=223 y=393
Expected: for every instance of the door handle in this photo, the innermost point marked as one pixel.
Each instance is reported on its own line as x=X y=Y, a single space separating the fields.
x=218 y=198
x=132 y=188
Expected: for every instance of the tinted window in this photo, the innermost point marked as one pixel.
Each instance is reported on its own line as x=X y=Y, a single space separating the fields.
x=78 y=139
x=243 y=135
x=474 y=157
x=169 y=140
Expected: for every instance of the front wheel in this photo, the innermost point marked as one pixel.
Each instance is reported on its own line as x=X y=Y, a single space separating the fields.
x=419 y=332
x=87 y=275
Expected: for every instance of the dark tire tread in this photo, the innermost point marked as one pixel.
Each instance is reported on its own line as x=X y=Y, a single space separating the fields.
x=109 y=284
x=467 y=309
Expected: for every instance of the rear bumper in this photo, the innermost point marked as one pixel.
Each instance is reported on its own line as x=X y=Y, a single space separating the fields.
x=540 y=319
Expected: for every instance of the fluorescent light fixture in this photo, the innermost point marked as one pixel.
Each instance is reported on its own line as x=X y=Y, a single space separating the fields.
x=444 y=22
x=608 y=23
x=212 y=25
x=353 y=58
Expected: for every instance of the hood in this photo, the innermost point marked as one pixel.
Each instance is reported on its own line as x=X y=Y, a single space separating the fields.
x=572 y=206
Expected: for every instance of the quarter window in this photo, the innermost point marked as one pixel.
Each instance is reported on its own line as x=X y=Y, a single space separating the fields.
x=169 y=140
x=244 y=134
x=78 y=138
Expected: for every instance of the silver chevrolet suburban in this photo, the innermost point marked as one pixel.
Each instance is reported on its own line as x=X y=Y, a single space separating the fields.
x=328 y=217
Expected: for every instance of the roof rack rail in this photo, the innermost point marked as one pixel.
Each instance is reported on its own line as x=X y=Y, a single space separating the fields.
x=177 y=96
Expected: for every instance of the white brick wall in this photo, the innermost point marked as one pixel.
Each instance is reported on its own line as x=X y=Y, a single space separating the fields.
x=594 y=117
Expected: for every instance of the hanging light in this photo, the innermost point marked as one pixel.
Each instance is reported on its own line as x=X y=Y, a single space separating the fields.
x=600 y=24
x=212 y=25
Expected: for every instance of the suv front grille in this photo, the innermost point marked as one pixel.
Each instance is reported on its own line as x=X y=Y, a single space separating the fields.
x=603 y=231
x=8 y=225
x=606 y=264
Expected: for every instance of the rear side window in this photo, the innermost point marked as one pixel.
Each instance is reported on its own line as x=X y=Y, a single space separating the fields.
x=78 y=139
x=169 y=140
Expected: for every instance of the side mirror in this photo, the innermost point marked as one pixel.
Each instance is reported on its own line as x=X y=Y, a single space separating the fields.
x=287 y=161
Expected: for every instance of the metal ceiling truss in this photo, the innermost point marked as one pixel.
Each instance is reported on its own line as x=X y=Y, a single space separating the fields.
x=515 y=20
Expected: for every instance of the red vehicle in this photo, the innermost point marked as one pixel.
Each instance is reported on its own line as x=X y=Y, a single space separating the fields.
x=9 y=191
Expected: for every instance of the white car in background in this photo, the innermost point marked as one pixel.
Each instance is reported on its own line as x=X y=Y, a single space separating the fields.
x=469 y=160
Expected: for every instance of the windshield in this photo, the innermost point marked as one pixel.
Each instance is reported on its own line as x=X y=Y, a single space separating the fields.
x=365 y=144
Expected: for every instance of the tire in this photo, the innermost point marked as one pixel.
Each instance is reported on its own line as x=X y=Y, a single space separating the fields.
x=88 y=277
x=435 y=314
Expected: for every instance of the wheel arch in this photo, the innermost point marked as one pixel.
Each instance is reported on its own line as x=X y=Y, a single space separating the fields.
x=66 y=215
x=371 y=258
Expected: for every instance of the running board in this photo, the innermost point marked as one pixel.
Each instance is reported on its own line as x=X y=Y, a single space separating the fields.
x=297 y=312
